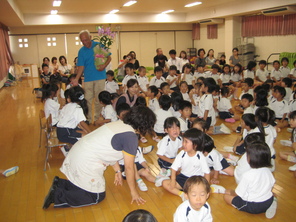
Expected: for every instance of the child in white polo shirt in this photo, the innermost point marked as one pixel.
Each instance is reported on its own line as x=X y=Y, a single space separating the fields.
x=191 y=210
x=143 y=80
x=169 y=145
x=162 y=114
x=111 y=85
x=157 y=79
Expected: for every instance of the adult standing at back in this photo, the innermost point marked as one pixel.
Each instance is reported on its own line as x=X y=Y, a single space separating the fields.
x=158 y=53
x=94 y=78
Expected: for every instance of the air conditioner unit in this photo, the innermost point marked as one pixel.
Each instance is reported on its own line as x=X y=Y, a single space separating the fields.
x=211 y=21
x=280 y=11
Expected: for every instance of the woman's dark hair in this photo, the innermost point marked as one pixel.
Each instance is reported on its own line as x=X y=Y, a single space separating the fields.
x=251 y=65
x=48 y=90
x=224 y=91
x=165 y=102
x=261 y=98
x=201 y=50
x=133 y=52
x=196 y=180
x=141 y=118
x=76 y=95
x=209 y=52
x=176 y=98
x=210 y=83
x=197 y=137
x=249 y=119
x=209 y=144
x=46 y=58
x=170 y=121
x=201 y=122
x=131 y=83
x=236 y=49
x=141 y=101
x=264 y=115
x=105 y=97
x=253 y=138
x=184 y=53
x=139 y=215
x=62 y=57
x=258 y=155
x=53 y=58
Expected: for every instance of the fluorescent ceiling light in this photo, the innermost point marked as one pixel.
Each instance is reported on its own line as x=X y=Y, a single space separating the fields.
x=192 y=4
x=129 y=3
x=113 y=11
x=56 y=3
x=168 y=11
x=54 y=12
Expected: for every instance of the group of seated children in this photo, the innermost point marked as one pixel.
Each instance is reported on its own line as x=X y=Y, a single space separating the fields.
x=186 y=106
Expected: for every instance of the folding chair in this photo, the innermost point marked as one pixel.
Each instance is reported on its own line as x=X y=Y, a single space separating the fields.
x=42 y=124
x=51 y=140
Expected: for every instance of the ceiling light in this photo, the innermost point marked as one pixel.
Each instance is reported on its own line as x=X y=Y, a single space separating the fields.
x=56 y=3
x=192 y=4
x=168 y=11
x=129 y=3
x=113 y=11
x=54 y=12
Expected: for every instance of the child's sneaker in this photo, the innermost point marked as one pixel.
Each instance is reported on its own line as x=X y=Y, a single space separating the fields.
x=272 y=209
x=217 y=189
x=123 y=175
x=290 y=130
x=292 y=168
x=234 y=158
x=11 y=171
x=143 y=139
x=183 y=196
x=228 y=149
x=286 y=142
x=168 y=172
x=163 y=172
x=159 y=179
x=156 y=139
x=147 y=149
x=142 y=186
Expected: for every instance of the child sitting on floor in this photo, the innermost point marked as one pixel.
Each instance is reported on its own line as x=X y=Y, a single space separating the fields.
x=169 y=145
x=162 y=114
x=152 y=95
x=108 y=113
x=190 y=209
x=224 y=105
x=254 y=192
x=216 y=161
x=291 y=155
x=186 y=111
x=190 y=161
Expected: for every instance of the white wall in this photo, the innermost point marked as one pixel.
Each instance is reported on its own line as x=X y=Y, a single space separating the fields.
x=216 y=44
x=273 y=44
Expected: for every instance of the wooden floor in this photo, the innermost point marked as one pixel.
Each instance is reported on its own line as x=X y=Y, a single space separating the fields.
x=22 y=195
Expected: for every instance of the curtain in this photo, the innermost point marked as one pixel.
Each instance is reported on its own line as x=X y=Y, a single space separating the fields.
x=196 y=31
x=261 y=25
x=212 y=31
x=5 y=54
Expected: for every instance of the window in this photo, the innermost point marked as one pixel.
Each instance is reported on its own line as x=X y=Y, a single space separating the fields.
x=23 y=43
x=51 y=41
x=77 y=41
